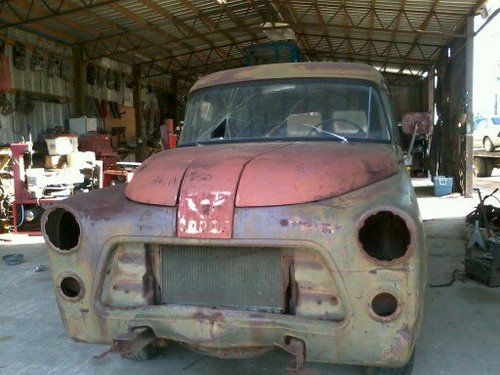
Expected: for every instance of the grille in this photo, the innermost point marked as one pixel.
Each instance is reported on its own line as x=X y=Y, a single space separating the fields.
x=243 y=278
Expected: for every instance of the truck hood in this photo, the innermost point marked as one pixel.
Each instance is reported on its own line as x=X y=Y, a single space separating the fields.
x=209 y=181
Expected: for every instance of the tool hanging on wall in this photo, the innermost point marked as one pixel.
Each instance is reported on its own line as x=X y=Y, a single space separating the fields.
x=118 y=81
x=53 y=67
x=115 y=110
x=24 y=104
x=110 y=80
x=102 y=109
x=91 y=74
x=101 y=77
x=91 y=107
x=5 y=105
x=19 y=56
x=66 y=72
x=37 y=60
x=4 y=68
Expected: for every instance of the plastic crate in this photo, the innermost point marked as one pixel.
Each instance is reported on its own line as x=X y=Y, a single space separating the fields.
x=442 y=185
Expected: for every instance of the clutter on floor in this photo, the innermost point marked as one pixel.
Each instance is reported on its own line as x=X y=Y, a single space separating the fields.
x=482 y=257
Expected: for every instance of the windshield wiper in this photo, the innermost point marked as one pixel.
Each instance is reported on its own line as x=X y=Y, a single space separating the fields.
x=342 y=139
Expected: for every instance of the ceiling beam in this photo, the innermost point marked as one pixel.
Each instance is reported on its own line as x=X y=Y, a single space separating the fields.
x=228 y=44
x=235 y=19
x=204 y=68
x=30 y=7
x=237 y=62
x=423 y=27
x=289 y=17
x=207 y=21
x=398 y=18
x=322 y=24
x=43 y=31
x=414 y=32
x=183 y=27
x=53 y=13
x=169 y=60
x=374 y=40
x=370 y=58
x=167 y=37
x=123 y=46
x=372 y=25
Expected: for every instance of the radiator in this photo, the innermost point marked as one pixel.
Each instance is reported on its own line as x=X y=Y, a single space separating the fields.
x=244 y=278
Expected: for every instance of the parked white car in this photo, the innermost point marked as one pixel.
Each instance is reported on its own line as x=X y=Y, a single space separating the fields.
x=486 y=133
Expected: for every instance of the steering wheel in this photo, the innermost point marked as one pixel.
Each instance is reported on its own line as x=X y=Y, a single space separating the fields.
x=346 y=121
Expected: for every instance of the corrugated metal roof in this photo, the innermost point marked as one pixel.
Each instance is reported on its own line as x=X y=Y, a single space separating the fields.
x=189 y=37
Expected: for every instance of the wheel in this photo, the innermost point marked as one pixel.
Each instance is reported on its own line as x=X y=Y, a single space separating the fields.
x=480 y=167
x=405 y=370
x=488 y=145
x=489 y=168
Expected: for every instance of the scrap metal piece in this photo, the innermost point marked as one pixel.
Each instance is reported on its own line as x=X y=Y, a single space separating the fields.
x=476 y=237
x=297 y=348
x=132 y=343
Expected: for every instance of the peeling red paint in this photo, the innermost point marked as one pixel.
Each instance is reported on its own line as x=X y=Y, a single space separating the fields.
x=294 y=172
x=303 y=172
x=208 y=190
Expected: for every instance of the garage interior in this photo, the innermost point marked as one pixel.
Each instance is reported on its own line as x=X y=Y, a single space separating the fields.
x=110 y=78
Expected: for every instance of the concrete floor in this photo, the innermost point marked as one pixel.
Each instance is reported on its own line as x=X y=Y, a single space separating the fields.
x=460 y=333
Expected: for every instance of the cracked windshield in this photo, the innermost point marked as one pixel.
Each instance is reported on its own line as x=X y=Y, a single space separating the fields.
x=276 y=111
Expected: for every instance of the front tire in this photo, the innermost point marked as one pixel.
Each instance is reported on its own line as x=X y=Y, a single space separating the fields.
x=488 y=145
x=480 y=167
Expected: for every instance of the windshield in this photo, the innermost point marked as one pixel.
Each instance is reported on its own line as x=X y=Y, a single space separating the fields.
x=335 y=110
x=496 y=120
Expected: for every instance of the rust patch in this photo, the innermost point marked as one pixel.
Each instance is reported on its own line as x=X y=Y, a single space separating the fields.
x=131 y=258
x=319 y=298
x=297 y=349
x=309 y=264
x=307 y=226
x=400 y=346
x=128 y=287
x=217 y=317
x=405 y=333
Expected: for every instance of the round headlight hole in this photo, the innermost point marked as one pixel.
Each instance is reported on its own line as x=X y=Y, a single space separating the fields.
x=385 y=236
x=62 y=229
x=71 y=287
x=384 y=304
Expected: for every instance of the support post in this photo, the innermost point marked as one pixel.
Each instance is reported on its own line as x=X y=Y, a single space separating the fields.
x=469 y=82
x=430 y=92
x=79 y=82
x=136 y=73
x=175 y=101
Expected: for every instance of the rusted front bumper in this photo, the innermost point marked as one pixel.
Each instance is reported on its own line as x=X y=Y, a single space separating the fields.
x=324 y=234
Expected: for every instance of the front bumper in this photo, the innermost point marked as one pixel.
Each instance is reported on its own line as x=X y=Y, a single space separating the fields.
x=327 y=229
